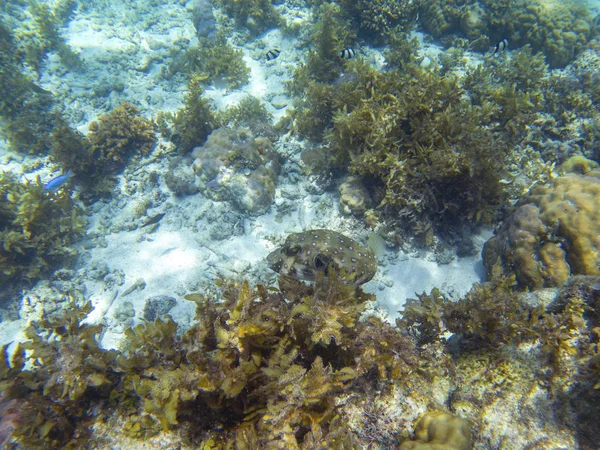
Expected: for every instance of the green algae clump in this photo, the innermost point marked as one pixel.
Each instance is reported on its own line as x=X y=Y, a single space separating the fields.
x=37 y=229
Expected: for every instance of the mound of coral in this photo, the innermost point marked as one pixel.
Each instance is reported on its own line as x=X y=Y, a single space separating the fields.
x=236 y=166
x=553 y=232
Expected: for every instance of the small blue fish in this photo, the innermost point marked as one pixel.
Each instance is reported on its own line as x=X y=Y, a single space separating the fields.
x=58 y=181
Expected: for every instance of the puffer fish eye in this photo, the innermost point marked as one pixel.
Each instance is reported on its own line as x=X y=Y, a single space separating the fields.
x=321 y=262
x=292 y=250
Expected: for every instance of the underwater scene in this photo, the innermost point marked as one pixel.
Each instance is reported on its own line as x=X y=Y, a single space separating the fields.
x=293 y=224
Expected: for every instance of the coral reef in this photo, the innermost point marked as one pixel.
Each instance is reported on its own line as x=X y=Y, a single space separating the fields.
x=235 y=165
x=264 y=371
x=36 y=229
x=523 y=357
x=560 y=30
x=432 y=143
x=553 y=232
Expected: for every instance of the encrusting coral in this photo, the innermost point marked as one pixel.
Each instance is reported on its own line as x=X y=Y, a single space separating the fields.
x=553 y=232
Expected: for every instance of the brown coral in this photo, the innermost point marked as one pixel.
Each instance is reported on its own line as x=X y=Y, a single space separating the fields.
x=553 y=233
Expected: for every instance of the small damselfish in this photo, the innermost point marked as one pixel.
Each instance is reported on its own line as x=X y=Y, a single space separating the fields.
x=347 y=53
x=304 y=255
x=501 y=46
x=273 y=54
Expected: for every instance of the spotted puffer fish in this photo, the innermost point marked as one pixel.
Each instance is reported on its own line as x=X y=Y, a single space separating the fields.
x=304 y=255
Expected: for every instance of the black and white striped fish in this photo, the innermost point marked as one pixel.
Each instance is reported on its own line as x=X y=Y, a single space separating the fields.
x=272 y=54
x=347 y=53
x=501 y=46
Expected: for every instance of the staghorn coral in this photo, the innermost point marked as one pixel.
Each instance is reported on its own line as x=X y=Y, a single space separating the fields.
x=552 y=233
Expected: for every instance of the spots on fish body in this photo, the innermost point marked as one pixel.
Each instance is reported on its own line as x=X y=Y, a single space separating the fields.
x=304 y=255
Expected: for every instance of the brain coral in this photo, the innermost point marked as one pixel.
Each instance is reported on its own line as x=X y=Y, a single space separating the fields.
x=554 y=232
